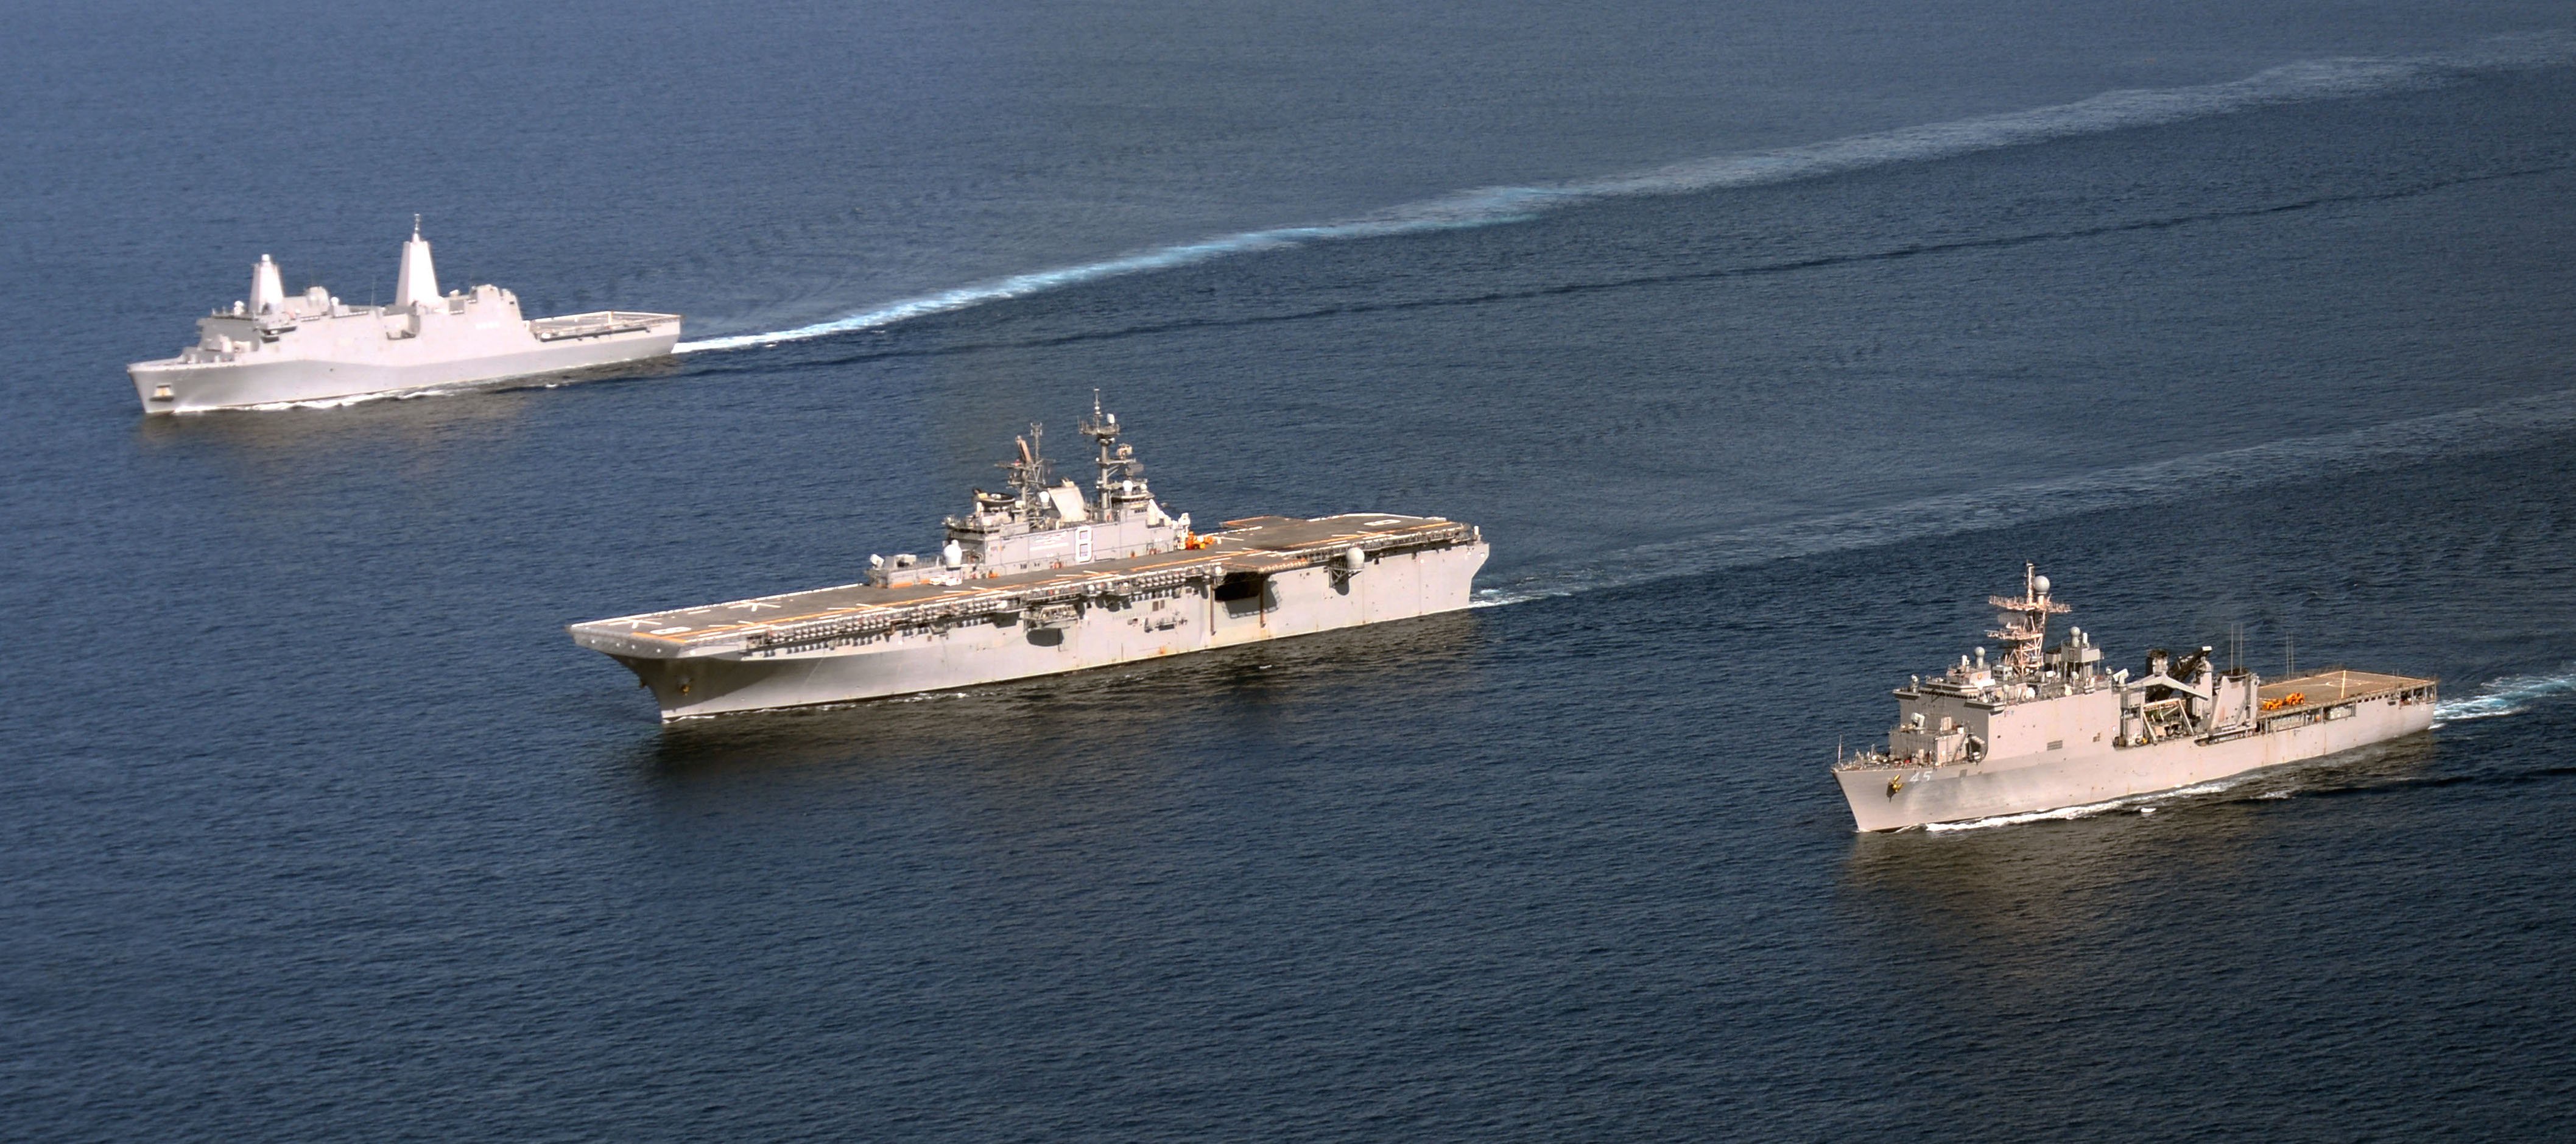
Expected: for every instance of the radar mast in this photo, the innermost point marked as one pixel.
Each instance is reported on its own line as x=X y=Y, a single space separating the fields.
x=2025 y=622
x=1118 y=486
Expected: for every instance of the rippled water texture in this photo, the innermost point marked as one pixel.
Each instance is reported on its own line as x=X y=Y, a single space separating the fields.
x=1763 y=343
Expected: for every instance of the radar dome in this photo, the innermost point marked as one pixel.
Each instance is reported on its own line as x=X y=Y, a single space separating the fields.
x=2040 y=583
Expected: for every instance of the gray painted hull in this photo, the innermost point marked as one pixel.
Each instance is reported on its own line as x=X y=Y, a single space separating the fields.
x=236 y=384
x=1102 y=634
x=1958 y=792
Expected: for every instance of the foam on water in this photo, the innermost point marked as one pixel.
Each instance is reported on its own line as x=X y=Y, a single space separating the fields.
x=2499 y=427
x=2060 y=814
x=361 y=398
x=2306 y=81
x=2146 y=803
x=2508 y=696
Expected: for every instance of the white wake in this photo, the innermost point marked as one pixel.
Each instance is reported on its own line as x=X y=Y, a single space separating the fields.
x=2511 y=695
x=2308 y=81
x=2060 y=814
x=2500 y=427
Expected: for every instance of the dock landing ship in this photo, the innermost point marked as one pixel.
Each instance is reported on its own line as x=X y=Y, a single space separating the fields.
x=1045 y=579
x=2043 y=728
x=274 y=347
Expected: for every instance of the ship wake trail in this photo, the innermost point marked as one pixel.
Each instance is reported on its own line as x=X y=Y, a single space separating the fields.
x=1565 y=289
x=2501 y=427
x=2510 y=695
x=2308 y=81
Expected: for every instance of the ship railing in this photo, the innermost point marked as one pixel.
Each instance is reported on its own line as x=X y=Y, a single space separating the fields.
x=2313 y=709
x=931 y=613
x=876 y=618
x=1448 y=533
x=597 y=323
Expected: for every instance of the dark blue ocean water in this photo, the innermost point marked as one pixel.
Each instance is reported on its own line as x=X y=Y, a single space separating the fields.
x=1763 y=340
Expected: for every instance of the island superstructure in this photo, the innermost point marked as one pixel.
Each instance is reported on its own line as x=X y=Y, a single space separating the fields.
x=1044 y=579
x=2042 y=728
x=278 y=348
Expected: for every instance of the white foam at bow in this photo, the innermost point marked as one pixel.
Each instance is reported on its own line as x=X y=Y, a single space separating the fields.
x=2064 y=812
x=364 y=398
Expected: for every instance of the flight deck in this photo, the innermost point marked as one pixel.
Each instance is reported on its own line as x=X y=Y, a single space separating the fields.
x=1254 y=546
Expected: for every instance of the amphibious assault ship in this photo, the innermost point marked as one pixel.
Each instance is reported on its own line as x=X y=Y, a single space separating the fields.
x=1045 y=579
x=274 y=347
x=2043 y=728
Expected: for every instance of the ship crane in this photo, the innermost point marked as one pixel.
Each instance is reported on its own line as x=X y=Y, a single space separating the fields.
x=1030 y=473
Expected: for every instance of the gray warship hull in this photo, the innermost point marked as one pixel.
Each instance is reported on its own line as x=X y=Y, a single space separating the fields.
x=176 y=386
x=2044 y=728
x=275 y=348
x=1262 y=579
x=2353 y=709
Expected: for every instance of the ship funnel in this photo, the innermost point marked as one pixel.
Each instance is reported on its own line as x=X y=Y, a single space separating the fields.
x=267 y=291
x=417 y=284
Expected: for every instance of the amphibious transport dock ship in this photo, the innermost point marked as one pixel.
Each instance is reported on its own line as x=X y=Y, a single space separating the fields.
x=2043 y=728
x=1044 y=579
x=279 y=348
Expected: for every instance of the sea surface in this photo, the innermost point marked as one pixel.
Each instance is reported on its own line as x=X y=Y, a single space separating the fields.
x=1762 y=339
